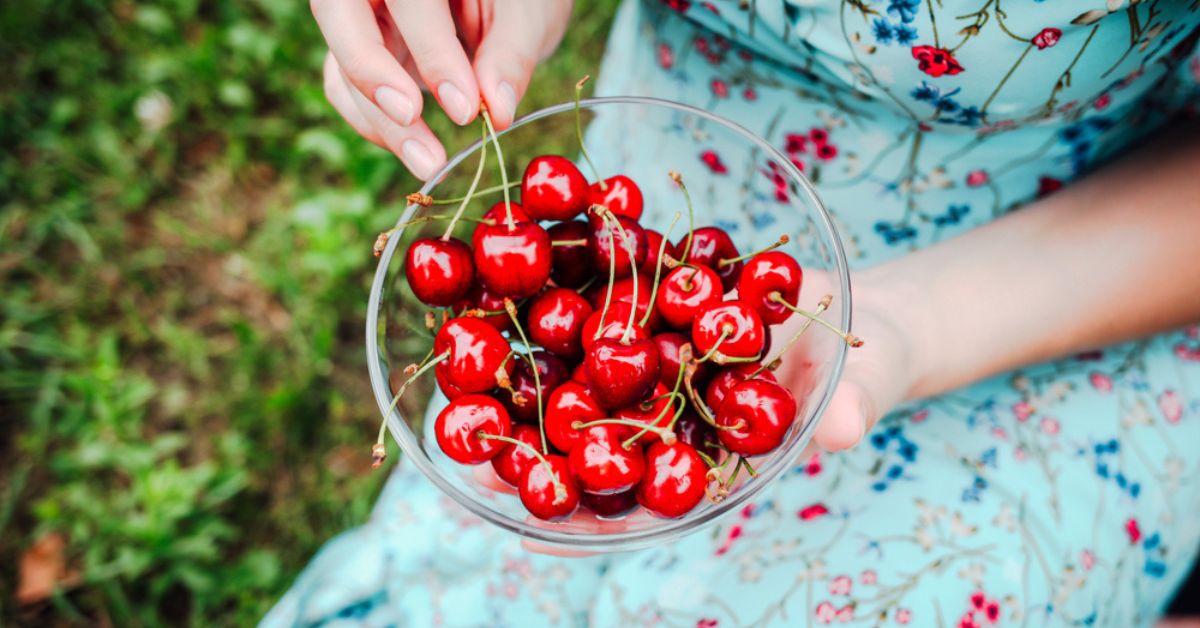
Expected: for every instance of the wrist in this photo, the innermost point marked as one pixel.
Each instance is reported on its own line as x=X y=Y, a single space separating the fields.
x=890 y=300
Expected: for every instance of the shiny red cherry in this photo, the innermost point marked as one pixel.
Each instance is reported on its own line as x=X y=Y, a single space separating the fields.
x=619 y=374
x=744 y=334
x=439 y=271
x=458 y=426
x=654 y=242
x=694 y=431
x=553 y=189
x=759 y=414
x=602 y=236
x=477 y=354
x=497 y=215
x=653 y=413
x=551 y=494
x=513 y=261
x=552 y=371
x=579 y=374
x=684 y=292
x=609 y=507
x=730 y=376
x=451 y=391
x=556 y=319
x=490 y=304
x=768 y=273
x=602 y=465
x=710 y=245
x=623 y=293
x=615 y=323
x=669 y=345
x=622 y=197
x=571 y=263
x=674 y=480
x=513 y=461
x=570 y=402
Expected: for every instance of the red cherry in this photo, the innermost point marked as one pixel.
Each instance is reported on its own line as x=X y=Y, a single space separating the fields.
x=551 y=371
x=760 y=413
x=621 y=375
x=570 y=402
x=542 y=496
x=623 y=293
x=480 y=298
x=579 y=374
x=623 y=197
x=710 y=245
x=669 y=345
x=498 y=215
x=513 y=461
x=653 y=244
x=650 y=413
x=459 y=425
x=553 y=189
x=513 y=262
x=556 y=319
x=767 y=273
x=630 y=237
x=451 y=391
x=571 y=263
x=685 y=291
x=730 y=376
x=602 y=465
x=694 y=431
x=614 y=506
x=439 y=271
x=477 y=354
x=674 y=480
x=745 y=335
x=615 y=323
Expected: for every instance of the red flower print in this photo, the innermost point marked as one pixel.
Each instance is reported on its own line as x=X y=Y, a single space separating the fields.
x=678 y=5
x=919 y=415
x=701 y=44
x=935 y=61
x=745 y=55
x=825 y=612
x=808 y=513
x=825 y=152
x=748 y=511
x=992 y=612
x=978 y=599
x=841 y=585
x=734 y=533
x=707 y=623
x=820 y=136
x=795 y=143
x=968 y=621
x=1183 y=352
x=799 y=166
x=1048 y=185
x=1102 y=102
x=711 y=7
x=868 y=576
x=1100 y=381
x=1047 y=38
x=713 y=161
x=814 y=467
x=720 y=88
x=750 y=94
x=1134 y=532
x=1171 y=405
x=976 y=178
x=666 y=56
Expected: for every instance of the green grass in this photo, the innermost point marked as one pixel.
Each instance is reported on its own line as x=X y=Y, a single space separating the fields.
x=183 y=394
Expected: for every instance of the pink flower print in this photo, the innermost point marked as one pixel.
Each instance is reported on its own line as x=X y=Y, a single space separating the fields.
x=903 y=616
x=707 y=623
x=1102 y=102
x=701 y=44
x=1100 y=381
x=1022 y=410
x=713 y=161
x=825 y=152
x=799 y=166
x=1171 y=405
x=720 y=88
x=808 y=513
x=841 y=585
x=999 y=433
x=749 y=94
x=919 y=416
x=992 y=612
x=819 y=136
x=748 y=511
x=1050 y=426
x=1087 y=559
x=978 y=599
x=1019 y=454
x=868 y=577
x=734 y=533
x=976 y=178
x=825 y=612
x=713 y=8
x=795 y=143
x=666 y=56
x=1184 y=352
x=511 y=590
x=845 y=614
x=1047 y=38
x=1132 y=529
x=968 y=621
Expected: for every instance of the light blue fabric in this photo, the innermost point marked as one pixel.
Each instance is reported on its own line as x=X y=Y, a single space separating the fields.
x=1062 y=494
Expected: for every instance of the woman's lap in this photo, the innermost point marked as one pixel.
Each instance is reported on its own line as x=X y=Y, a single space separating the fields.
x=1062 y=494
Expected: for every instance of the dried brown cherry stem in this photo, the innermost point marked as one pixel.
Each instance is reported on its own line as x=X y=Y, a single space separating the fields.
x=662 y=253
x=451 y=201
x=851 y=339
x=579 y=242
x=379 y=450
x=668 y=437
x=474 y=184
x=783 y=239
x=511 y=308
x=822 y=305
x=579 y=133
x=678 y=179
x=487 y=120
x=560 y=491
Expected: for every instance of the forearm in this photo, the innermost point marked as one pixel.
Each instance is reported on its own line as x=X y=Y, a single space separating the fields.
x=1111 y=258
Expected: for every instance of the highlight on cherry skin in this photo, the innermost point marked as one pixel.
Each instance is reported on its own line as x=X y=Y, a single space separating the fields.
x=595 y=364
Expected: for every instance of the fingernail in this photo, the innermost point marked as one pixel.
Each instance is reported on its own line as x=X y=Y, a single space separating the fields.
x=507 y=99
x=454 y=102
x=418 y=158
x=396 y=105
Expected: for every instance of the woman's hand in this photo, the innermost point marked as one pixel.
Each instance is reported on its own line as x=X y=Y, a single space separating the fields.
x=383 y=52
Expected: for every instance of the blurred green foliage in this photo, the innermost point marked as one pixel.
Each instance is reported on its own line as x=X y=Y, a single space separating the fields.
x=185 y=234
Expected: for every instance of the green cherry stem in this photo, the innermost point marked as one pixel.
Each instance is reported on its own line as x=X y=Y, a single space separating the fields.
x=511 y=308
x=849 y=338
x=560 y=491
x=821 y=307
x=379 y=451
x=579 y=133
x=481 y=192
x=726 y=331
x=783 y=239
x=678 y=179
x=614 y=223
x=487 y=120
x=474 y=183
x=579 y=242
x=685 y=356
x=662 y=251
x=667 y=436
x=612 y=279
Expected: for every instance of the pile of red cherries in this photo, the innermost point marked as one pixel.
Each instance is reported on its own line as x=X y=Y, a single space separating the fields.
x=593 y=362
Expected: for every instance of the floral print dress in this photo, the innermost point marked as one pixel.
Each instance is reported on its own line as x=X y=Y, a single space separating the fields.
x=1067 y=493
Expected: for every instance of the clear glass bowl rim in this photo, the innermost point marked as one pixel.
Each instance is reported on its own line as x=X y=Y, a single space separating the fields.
x=669 y=528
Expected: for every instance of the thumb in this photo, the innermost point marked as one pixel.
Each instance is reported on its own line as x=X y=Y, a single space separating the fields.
x=520 y=34
x=847 y=418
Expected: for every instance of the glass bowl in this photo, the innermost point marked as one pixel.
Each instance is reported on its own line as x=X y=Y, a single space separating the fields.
x=642 y=138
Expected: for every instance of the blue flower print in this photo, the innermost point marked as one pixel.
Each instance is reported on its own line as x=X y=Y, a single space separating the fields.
x=904 y=10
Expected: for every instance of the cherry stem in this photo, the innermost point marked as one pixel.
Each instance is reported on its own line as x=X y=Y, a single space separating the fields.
x=662 y=251
x=560 y=491
x=821 y=307
x=613 y=222
x=451 y=201
x=612 y=279
x=667 y=436
x=474 y=183
x=511 y=308
x=579 y=132
x=712 y=464
x=684 y=356
x=783 y=239
x=851 y=339
x=487 y=120
x=726 y=331
x=379 y=452
x=678 y=179
x=587 y=284
x=579 y=242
